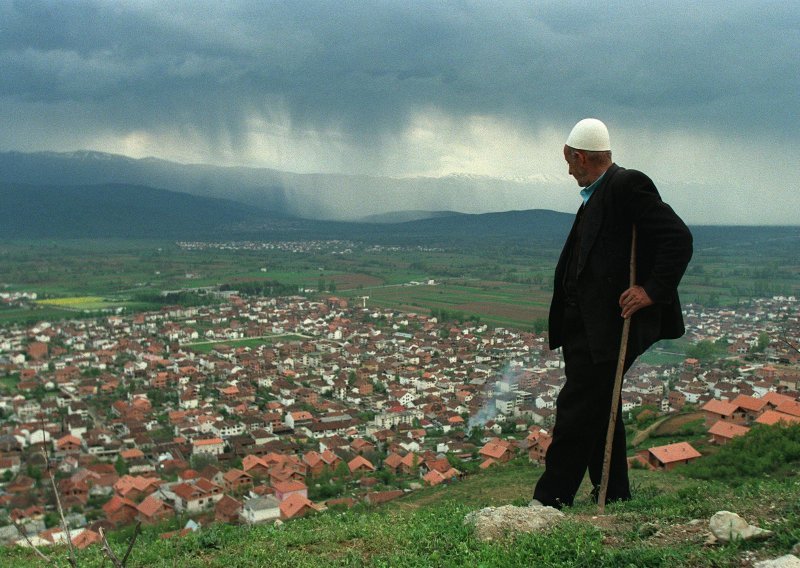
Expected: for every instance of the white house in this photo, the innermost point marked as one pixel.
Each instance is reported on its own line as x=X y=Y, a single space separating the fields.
x=211 y=446
x=261 y=510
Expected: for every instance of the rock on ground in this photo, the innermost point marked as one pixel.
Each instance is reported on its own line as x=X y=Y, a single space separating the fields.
x=494 y=523
x=728 y=526
x=788 y=561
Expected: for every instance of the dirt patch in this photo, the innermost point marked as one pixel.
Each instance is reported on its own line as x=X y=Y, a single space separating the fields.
x=673 y=425
x=621 y=531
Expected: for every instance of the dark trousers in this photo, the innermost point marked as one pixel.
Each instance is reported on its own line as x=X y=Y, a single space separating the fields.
x=583 y=408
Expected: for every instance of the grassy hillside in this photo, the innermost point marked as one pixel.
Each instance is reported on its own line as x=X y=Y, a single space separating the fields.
x=664 y=525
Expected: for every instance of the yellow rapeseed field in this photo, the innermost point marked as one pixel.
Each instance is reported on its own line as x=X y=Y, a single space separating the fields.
x=76 y=302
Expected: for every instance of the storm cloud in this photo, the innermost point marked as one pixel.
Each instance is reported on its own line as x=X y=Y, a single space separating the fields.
x=699 y=95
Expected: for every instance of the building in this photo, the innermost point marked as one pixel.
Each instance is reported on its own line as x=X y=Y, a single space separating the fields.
x=669 y=456
x=261 y=510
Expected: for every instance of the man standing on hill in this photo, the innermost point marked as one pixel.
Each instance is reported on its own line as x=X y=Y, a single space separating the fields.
x=591 y=298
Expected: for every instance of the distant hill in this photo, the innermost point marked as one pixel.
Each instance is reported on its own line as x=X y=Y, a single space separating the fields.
x=116 y=210
x=525 y=228
x=310 y=196
x=123 y=210
x=405 y=216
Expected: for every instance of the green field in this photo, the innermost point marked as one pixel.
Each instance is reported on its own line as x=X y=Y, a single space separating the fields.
x=9 y=384
x=505 y=286
x=208 y=346
x=84 y=304
x=496 y=303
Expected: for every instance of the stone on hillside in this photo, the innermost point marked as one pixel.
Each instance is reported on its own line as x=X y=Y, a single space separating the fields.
x=787 y=561
x=728 y=526
x=494 y=523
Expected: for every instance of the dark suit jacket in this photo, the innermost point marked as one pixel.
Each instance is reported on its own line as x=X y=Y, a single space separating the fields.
x=664 y=248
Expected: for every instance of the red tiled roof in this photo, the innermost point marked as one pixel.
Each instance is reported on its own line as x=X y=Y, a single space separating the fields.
x=674 y=452
x=411 y=460
x=235 y=474
x=116 y=503
x=250 y=461
x=294 y=504
x=749 y=403
x=727 y=429
x=86 y=538
x=775 y=398
x=434 y=477
x=329 y=457
x=312 y=458
x=186 y=491
x=393 y=460
x=207 y=442
x=772 y=417
x=132 y=454
x=721 y=407
x=228 y=506
x=493 y=450
x=150 y=506
x=789 y=407
x=68 y=439
x=289 y=485
x=359 y=462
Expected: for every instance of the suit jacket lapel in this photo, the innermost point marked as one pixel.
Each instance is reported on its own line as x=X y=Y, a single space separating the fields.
x=561 y=266
x=593 y=218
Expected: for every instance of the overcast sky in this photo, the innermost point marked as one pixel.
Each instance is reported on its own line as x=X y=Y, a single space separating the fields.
x=702 y=96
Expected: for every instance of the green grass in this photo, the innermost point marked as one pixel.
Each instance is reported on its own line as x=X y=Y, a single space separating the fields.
x=489 y=276
x=657 y=528
x=9 y=384
x=662 y=358
x=496 y=303
x=208 y=346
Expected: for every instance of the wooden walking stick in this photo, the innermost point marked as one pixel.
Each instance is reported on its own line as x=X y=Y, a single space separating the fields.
x=612 y=420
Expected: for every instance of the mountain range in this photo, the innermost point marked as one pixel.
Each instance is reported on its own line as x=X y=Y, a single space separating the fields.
x=310 y=196
x=95 y=195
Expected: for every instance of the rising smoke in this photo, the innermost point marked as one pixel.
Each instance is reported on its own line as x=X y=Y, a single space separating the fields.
x=503 y=385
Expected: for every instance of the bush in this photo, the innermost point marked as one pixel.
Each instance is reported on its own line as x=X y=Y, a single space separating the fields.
x=763 y=451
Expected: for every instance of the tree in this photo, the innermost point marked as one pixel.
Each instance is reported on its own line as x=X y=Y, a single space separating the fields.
x=342 y=471
x=704 y=350
x=200 y=461
x=120 y=466
x=34 y=472
x=763 y=342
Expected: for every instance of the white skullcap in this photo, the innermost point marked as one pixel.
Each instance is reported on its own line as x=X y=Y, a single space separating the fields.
x=589 y=134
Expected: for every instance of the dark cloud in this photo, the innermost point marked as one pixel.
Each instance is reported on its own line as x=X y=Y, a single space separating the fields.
x=365 y=67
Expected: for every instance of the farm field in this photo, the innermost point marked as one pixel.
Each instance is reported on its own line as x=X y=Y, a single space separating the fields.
x=83 y=303
x=208 y=346
x=505 y=286
x=685 y=427
x=497 y=303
